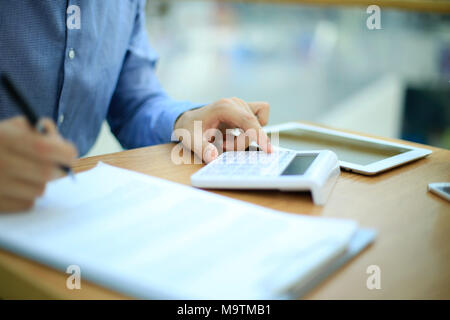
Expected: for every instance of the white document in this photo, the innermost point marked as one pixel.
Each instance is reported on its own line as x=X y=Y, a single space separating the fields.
x=151 y=238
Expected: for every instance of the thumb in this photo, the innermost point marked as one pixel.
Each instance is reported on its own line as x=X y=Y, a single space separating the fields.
x=49 y=127
x=209 y=151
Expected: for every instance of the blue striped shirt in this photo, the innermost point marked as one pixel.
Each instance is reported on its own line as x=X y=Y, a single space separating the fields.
x=80 y=72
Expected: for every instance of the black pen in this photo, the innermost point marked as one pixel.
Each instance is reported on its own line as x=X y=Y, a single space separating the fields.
x=31 y=116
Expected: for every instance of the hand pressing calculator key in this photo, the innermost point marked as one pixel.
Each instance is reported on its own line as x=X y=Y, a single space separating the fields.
x=286 y=170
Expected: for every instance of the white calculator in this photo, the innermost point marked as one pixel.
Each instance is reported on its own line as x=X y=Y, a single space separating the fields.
x=286 y=170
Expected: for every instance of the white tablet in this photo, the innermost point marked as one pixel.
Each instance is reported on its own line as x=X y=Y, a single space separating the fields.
x=441 y=189
x=286 y=170
x=356 y=153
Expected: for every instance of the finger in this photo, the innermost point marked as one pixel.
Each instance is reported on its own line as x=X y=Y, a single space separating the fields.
x=27 y=169
x=25 y=140
x=240 y=118
x=8 y=204
x=206 y=151
x=245 y=106
x=22 y=122
x=216 y=137
x=261 y=111
x=21 y=190
x=44 y=148
x=50 y=148
x=241 y=103
x=46 y=123
x=242 y=142
x=239 y=142
x=49 y=126
x=58 y=172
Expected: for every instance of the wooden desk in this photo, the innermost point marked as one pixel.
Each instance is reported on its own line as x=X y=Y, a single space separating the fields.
x=412 y=248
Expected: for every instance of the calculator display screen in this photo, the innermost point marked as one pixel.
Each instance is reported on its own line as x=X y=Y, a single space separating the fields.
x=299 y=165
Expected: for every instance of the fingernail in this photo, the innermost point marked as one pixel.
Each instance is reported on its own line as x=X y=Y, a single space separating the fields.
x=207 y=155
x=210 y=154
x=56 y=174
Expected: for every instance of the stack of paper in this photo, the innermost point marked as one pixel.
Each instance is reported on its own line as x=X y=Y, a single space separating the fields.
x=151 y=238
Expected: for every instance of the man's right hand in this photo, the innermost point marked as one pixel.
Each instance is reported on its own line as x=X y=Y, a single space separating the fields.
x=28 y=160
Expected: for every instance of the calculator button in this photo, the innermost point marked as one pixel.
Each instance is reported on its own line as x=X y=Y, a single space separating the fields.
x=238 y=164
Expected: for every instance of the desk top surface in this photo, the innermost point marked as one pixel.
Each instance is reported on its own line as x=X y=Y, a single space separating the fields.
x=412 y=248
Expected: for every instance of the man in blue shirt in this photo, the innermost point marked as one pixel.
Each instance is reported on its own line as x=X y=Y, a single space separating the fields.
x=77 y=63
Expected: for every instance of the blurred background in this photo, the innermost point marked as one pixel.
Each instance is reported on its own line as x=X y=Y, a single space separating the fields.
x=313 y=63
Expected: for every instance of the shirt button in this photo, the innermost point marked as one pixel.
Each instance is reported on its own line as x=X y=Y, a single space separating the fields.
x=61 y=119
x=71 y=54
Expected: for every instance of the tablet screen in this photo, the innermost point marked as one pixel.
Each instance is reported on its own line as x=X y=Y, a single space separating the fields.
x=347 y=149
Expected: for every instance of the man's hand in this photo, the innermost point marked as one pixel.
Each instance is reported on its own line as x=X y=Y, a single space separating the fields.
x=221 y=116
x=28 y=160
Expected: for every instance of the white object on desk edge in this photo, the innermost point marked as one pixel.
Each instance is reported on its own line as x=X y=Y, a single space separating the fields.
x=434 y=188
x=370 y=169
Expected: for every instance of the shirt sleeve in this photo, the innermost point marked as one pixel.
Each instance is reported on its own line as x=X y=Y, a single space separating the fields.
x=141 y=113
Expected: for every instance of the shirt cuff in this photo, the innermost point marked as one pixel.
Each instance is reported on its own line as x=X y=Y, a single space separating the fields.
x=172 y=116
